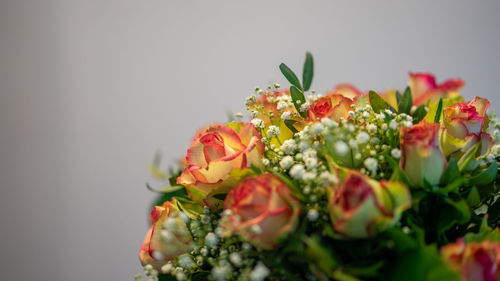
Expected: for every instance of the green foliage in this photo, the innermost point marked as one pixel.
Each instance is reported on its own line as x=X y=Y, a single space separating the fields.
x=378 y=103
x=308 y=71
x=422 y=264
x=290 y=76
x=419 y=114
x=439 y=109
x=298 y=99
x=405 y=102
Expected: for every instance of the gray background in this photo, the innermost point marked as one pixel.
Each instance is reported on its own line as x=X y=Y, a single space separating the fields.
x=90 y=90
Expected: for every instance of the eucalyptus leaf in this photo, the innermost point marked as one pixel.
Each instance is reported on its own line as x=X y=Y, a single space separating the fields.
x=290 y=76
x=308 y=71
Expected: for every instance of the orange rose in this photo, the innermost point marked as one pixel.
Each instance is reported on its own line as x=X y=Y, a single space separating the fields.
x=332 y=106
x=422 y=157
x=216 y=152
x=424 y=88
x=167 y=237
x=463 y=127
x=261 y=210
x=475 y=261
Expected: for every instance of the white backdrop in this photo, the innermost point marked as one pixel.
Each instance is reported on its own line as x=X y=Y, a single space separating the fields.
x=91 y=89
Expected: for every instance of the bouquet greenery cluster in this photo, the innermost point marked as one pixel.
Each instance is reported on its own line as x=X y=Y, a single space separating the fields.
x=345 y=186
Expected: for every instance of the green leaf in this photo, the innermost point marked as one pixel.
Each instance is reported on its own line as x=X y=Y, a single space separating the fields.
x=220 y=196
x=452 y=213
x=451 y=172
x=166 y=277
x=422 y=264
x=419 y=114
x=200 y=276
x=289 y=124
x=167 y=193
x=298 y=99
x=494 y=213
x=255 y=169
x=308 y=71
x=319 y=255
x=467 y=157
x=405 y=102
x=378 y=103
x=290 y=76
x=402 y=241
x=439 y=109
x=486 y=176
x=293 y=186
x=474 y=198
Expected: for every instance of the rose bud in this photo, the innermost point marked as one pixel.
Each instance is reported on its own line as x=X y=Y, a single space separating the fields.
x=361 y=207
x=424 y=88
x=261 y=210
x=463 y=127
x=215 y=153
x=474 y=261
x=167 y=237
x=334 y=106
x=421 y=156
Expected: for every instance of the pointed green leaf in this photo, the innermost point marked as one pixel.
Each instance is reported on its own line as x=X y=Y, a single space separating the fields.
x=439 y=109
x=298 y=99
x=486 y=176
x=308 y=71
x=454 y=212
x=378 y=103
x=419 y=114
x=290 y=76
x=289 y=124
x=451 y=172
x=405 y=102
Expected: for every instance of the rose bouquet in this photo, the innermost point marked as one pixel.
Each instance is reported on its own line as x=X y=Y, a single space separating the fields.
x=346 y=186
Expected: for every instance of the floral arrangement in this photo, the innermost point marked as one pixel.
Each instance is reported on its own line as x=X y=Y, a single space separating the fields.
x=346 y=186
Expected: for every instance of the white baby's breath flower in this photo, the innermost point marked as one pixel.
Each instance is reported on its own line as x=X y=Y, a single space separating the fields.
x=309 y=176
x=396 y=153
x=327 y=178
x=288 y=146
x=211 y=239
x=282 y=105
x=393 y=124
x=286 y=162
x=362 y=138
x=316 y=128
x=372 y=128
x=273 y=131
x=312 y=215
x=258 y=123
x=286 y=115
x=265 y=162
x=259 y=273
x=341 y=148
x=297 y=171
x=407 y=124
x=329 y=123
x=304 y=107
x=371 y=164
